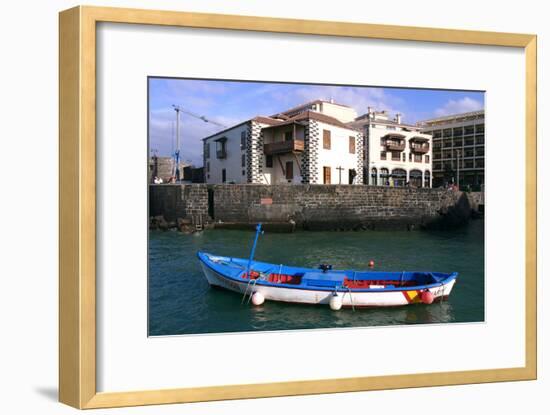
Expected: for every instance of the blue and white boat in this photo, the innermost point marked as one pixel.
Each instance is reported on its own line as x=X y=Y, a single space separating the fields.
x=259 y=281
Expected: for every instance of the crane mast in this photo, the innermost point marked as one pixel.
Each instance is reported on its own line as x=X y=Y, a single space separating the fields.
x=176 y=174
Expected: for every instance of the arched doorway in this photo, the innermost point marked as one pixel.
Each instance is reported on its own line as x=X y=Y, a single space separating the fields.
x=374 y=176
x=399 y=177
x=384 y=177
x=427 y=178
x=415 y=178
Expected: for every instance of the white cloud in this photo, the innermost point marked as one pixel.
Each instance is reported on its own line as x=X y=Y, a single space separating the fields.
x=459 y=106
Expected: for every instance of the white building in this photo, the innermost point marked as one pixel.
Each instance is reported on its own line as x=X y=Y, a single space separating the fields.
x=396 y=154
x=311 y=143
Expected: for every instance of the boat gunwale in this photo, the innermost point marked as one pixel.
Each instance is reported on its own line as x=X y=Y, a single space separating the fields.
x=342 y=288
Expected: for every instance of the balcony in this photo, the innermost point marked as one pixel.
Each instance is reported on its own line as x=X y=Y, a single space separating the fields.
x=282 y=147
x=420 y=148
x=221 y=154
x=419 y=145
x=393 y=142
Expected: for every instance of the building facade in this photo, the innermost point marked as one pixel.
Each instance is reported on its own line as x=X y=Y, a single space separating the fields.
x=459 y=149
x=396 y=154
x=312 y=143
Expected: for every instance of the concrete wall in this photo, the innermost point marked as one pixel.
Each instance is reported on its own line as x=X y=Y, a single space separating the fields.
x=315 y=206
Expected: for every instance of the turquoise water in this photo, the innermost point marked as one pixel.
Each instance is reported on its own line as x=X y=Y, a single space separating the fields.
x=181 y=301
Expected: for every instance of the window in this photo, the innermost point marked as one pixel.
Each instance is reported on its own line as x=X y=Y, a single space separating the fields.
x=243 y=140
x=383 y=155
x=243 y=172
x=410 y=156
x=288 y=136
x=289 y=171
x=326 y=175
x=326 y=139
x=352 y=145
x=243 y=160
x=404 y=157
x=207 y=166
x=427 y=159
x=224 y=176
x=418 y=158
x=220 y=148
x=207 y=150
x=269 y=161
x=395 y=155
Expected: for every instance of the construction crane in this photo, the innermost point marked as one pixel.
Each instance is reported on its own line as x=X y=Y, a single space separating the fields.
x=178 y=109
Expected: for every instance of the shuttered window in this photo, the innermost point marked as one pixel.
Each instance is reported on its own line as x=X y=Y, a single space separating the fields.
x=326 y=139
x=352 y=145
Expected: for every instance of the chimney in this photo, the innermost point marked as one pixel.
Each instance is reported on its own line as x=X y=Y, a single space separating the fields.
x=398 y=118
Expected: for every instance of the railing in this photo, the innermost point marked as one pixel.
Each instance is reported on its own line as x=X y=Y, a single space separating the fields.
x=395 y=145
x=419 y=148
x=281 y=147
x=221 y=154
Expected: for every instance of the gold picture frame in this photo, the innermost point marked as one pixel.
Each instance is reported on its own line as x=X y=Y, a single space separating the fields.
x=77 y=215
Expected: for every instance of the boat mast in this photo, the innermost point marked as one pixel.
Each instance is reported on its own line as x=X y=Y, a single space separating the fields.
x=258 y=231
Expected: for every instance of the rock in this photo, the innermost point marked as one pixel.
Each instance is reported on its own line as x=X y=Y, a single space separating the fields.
x=158 y=222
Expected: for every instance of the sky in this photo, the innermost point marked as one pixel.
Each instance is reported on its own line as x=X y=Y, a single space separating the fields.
x=231 y=102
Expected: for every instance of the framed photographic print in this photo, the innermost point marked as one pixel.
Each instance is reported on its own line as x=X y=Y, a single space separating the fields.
x=309 y=206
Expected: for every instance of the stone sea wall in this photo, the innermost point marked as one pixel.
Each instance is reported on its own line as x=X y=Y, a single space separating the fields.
x=314 y=207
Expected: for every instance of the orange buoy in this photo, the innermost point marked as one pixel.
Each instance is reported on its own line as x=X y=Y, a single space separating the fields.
x=427 y=297
x=371 y=264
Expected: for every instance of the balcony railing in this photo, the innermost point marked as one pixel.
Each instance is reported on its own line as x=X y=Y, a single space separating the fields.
x=395 y=145
x=419 y=148
x=221 y=154
x=282 y=147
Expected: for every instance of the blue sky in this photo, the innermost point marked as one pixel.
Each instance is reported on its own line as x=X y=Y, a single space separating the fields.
x=231 y=102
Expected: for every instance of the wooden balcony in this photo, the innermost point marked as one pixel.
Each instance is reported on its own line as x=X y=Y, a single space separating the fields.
x=282 y=147
x=395 y=145
x=394 y=142
x=420 y=145
x=419 y=148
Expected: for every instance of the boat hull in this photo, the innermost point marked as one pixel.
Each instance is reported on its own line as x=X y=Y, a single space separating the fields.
x=349 y=298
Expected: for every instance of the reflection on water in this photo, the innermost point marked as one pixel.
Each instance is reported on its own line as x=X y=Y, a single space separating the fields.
x=181 y=301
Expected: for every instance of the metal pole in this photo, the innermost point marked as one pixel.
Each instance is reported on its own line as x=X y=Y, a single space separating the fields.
x=258 y=231
x=458 y=169
x=177 y=143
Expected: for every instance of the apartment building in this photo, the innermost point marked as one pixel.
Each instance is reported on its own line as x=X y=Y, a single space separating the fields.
x=458 y=149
